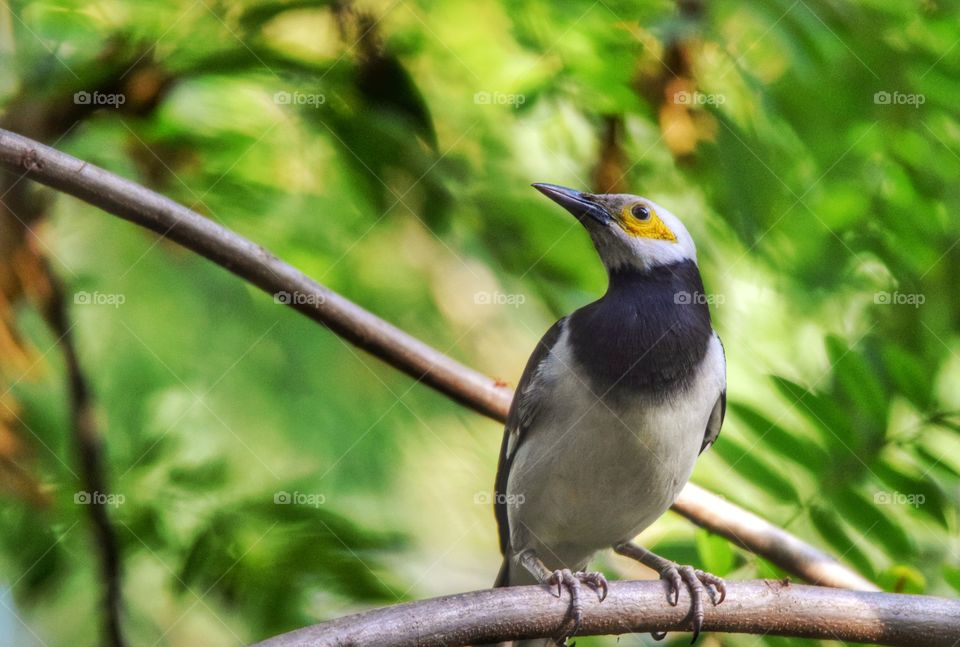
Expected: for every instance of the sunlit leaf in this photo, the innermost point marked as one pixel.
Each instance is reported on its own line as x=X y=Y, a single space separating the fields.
x=716 y=553
x=952 y=576
x=912 y=379
x=902 y=579
x=858 y=380
x=832 y=423
x=846 y=548
x=927 y=496
x=747 y=463
x=792 y=446
x=873 y=525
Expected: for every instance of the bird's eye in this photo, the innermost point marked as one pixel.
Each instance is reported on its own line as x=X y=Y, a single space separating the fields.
x=640 y=212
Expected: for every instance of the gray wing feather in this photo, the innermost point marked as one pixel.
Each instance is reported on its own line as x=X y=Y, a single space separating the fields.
x=716 y=421
x=523 y=411
x=718 y=413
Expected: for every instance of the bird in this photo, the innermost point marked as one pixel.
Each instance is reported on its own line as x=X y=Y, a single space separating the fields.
x=615 y=405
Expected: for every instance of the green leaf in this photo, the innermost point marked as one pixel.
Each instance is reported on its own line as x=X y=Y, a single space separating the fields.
x=210 y=474
x=828 y=524
x=873 y=525
x=860 y=383
x=680 y=550
x=930 y=499
x=38 y=559
x=266 y=555
x=747 y=463
x=256 y=16
x=933 y=461
x=831 y=421
x=901 y=578
x=952 y=576
x=792 y=446
x=908 y=374
x=769 y=571
x=716 y=553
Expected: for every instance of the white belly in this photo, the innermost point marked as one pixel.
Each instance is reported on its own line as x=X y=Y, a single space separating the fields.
x=587 y=478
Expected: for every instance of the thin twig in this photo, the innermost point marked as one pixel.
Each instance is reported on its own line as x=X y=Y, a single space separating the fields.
x=251 y=262
x=758 y=607
x=89 y=447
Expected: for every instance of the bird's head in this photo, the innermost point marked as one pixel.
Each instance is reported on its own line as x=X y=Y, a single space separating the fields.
x=627 y=230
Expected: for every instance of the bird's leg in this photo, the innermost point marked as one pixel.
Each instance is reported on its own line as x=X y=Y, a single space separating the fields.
x=676 y=576
x=564 y=578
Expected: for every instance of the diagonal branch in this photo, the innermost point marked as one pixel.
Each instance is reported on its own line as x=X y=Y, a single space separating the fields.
x=758 y=607
x=254 y=264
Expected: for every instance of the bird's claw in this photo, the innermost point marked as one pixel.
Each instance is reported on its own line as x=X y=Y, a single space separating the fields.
x=695 y=581
x=597 y=582
x=566 y=578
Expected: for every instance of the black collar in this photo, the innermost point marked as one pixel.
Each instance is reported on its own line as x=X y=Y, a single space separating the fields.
x=647 y=334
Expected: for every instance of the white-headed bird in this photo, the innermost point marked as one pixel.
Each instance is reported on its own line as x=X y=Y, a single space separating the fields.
x=615 y=405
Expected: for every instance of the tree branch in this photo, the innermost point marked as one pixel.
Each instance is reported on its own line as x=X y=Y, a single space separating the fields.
x=756 y=607
x=88 y=444
x=251 y=262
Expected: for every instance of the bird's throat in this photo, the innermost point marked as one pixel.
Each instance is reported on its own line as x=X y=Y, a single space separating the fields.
x=647 y=334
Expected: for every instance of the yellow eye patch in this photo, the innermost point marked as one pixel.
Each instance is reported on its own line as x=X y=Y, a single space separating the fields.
x=641 y=220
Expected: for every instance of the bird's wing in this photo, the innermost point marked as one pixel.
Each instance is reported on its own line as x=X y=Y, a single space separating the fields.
x=523 y=410
x=719 y=409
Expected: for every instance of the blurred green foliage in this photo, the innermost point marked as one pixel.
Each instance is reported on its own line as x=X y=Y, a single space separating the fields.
x=386 y=149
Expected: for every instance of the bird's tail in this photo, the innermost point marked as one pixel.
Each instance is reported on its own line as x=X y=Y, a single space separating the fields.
x=512 y=575
x=503 y=577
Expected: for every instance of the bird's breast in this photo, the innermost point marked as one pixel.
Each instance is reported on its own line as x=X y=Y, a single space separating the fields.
x=595 y=470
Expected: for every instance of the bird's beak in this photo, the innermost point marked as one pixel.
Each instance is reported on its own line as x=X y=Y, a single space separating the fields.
x=581 y=205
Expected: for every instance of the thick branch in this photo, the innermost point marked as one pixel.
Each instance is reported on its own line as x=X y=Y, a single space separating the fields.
x=761 y=537
x=406 y=353
x=755 y=607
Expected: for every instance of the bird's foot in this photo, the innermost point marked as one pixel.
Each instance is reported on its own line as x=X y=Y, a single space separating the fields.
x=564 y=578
x=696 y=582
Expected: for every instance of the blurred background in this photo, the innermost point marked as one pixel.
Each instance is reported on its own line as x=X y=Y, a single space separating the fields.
x=263 y=475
